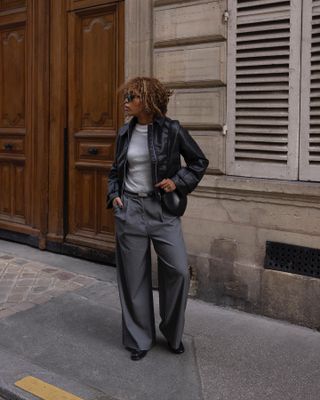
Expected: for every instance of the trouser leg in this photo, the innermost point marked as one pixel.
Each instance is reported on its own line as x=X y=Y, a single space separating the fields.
x=134 y=281
x=173 y=279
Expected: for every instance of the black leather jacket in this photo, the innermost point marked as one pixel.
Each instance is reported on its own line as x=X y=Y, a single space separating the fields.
x=167 y=140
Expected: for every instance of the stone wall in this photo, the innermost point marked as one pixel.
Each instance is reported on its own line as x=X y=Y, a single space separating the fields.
x=228 y=223
x=189 y=52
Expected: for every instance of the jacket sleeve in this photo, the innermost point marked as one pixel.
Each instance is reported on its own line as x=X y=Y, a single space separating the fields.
x=187 y=178
x=113 y=181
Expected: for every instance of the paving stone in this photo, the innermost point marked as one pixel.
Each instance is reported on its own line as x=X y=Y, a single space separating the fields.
x=30 y=270
x=6 y=284
x=43 y=281
x=73 y=286
x=40 y=299
x=64 y=275
x=39 y=289
x=21 y=261
x=50 y=270
x=28 y=275
x=84 y=280
x=6 y=257
x=25 y=282
x=22 y=307
x=6 y=313
x=20 y=289
x=9 y=275
x=15 y=298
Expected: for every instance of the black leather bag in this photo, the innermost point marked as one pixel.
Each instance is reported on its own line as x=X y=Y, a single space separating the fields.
x=174 y=202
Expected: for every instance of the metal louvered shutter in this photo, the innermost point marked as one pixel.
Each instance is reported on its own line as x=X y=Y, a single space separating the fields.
x=263 y=88
x=310 y=96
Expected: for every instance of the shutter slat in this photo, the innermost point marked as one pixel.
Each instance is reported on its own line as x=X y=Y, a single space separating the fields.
x=260 y=122
x=249 y=45
x=260 y=156
x=262 y=105
x=254 y=132
x=244 y=138
x=262 y=54
x=255 y=79
x=265 y=36
x=252 y=3
x=262 y=113
x=261 y=28
x=261 y=147
x=270 y=88
x=258 y=63
x=264 y=71
x=263 y=96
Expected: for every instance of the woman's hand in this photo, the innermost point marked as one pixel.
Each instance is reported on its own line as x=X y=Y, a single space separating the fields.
x=117 y=202
x=167 y=185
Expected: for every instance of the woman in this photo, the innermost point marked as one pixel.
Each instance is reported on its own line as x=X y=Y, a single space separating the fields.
x=147 y=163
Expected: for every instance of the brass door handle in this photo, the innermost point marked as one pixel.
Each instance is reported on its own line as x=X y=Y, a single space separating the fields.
x=93 y=150
x=8 y=146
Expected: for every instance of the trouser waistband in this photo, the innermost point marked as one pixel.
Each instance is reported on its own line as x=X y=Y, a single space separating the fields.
x=139 y=194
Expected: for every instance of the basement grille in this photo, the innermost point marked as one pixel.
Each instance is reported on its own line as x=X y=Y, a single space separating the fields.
x=294 y=259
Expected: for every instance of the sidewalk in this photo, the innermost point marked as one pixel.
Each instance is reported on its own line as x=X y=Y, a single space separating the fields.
x=60 y=322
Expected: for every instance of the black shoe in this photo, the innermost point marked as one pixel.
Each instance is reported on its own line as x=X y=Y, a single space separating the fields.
x=179 y=350
x=136 y=355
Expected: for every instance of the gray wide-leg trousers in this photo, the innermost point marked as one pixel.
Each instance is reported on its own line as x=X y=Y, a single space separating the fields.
x=140 y=220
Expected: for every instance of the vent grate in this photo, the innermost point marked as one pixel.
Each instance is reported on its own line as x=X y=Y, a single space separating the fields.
x=294 y=259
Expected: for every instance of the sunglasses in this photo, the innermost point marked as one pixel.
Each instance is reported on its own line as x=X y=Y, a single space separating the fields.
x=129 y=97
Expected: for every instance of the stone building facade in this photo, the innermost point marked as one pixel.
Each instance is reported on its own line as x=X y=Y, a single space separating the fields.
x=237 y=209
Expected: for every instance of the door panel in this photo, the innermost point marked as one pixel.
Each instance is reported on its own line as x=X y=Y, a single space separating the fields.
x=5 y=198
x=94 y=73
x=24 y=119
x=105 y=220
x=9 y=4
x=13 y=72
x=19 y=191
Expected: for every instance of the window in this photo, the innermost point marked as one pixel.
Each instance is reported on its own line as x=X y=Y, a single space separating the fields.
x=274 y=89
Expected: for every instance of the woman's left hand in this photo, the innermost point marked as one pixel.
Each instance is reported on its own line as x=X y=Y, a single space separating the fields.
x=167 y=185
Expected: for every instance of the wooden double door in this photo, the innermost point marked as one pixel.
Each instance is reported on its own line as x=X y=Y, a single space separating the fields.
x=61 y=63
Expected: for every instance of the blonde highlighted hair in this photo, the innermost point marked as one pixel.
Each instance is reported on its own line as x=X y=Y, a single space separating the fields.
x=153 y=94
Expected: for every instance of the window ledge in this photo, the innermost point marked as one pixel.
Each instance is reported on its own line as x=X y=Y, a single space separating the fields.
x=255 y=188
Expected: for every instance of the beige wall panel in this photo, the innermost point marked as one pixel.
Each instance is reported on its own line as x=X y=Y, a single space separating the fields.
x=291 y=297
x=213 y=148
x=244 y=237
x=194 y=107
x=183 y=21
x=272 y=216
x=138 y=45
x=203 y=63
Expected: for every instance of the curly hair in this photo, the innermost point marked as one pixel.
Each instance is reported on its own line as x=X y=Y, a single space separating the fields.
x=154 y=94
